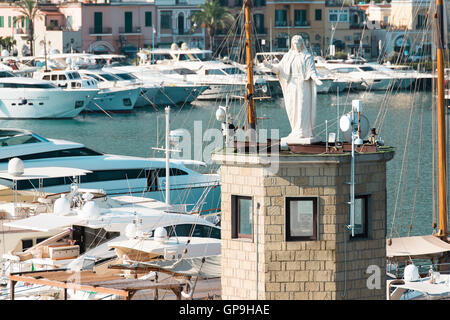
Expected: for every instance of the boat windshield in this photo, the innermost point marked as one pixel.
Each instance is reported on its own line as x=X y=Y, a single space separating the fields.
x=95 y=77
x=18 y=139
x=367 y=68
x=183 y=71
x=214 y=72
x=6 y=74
x=28 y=85
x=108 y=77
x=233 y=71
x=126 y=76
x=75 y=75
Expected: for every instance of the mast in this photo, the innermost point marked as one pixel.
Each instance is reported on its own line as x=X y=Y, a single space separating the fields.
x=167 y=157
x=442 y=159
x=251 y=119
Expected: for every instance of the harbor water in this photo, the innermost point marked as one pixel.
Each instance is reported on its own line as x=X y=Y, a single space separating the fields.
x=403 y=120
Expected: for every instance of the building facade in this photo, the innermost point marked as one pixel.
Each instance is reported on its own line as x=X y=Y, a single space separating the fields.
x=174 y=23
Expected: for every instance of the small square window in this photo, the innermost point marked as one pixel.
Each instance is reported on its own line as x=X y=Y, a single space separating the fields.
x=242 y=216
x=301 y=219
x=361 y=216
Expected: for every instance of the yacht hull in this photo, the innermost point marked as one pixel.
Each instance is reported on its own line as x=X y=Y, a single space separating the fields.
x=42 y=104
x=114 y=100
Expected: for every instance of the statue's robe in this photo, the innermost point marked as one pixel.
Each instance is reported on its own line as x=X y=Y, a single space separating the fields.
x=295 y=72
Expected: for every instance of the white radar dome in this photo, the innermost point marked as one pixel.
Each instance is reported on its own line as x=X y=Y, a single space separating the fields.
x=5 y=53
x=220 y=114
x=61 y=205
x=160 y=234
x=90 y=210
x=15 y=167
x=411 y=273
x=131 y=231
x=174 y=46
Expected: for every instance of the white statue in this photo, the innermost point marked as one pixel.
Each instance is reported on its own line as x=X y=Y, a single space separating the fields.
x=298 y=78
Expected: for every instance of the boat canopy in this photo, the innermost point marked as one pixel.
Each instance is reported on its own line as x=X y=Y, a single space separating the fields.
x=44 y=173
x=45 y=222
x=417 y=247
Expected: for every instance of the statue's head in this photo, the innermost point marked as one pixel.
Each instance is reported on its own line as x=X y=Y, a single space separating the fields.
x=297 y=43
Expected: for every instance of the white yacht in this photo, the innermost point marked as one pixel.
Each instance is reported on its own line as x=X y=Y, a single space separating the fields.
x=197 y=66
x=115 y=174
x=77 y=232
x=359 y=76
x=107 y=97
x=115 y=95
x=25 y=98
x=170 y=90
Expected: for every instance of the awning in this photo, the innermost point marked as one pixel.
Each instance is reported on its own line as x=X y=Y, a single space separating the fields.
x=418 y=247
x=45 y=222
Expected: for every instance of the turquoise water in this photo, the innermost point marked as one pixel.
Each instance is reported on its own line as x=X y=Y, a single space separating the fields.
x=401 y=119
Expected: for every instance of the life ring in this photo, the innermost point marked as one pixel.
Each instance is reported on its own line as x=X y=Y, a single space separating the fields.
x=188 y=295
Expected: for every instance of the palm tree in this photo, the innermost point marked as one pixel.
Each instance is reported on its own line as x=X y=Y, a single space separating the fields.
x=212 y=16
x=30 y=10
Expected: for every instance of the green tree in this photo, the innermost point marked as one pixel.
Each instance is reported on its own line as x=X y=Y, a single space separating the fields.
x=30 y=10
x=212 y=16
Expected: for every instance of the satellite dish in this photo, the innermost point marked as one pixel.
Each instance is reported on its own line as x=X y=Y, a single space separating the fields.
x=345 y=123
x=5 y=53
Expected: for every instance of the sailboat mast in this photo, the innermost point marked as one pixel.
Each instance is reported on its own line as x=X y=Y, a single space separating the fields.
x=251 y=119
x=441 y=115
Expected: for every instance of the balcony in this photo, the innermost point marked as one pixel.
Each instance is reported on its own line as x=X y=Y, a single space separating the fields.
x=261 y=31
x=301 y=24
x=104 y=31
x=281 y=24
x=130 y=31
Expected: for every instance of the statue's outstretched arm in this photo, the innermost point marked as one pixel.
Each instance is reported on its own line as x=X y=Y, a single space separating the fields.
x=311 y=67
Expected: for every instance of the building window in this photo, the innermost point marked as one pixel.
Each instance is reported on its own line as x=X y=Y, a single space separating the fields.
x=282 y=42
x=361 y=216
x=148 y=18
x=301 y=219
x=300 y=18
x=166 y=19
x=242 y=212
x=280 y=18
x=69 y=22
x=318 y=14
x=260 y=3
x=421 y=21
x=338 y=15
x=259 y=23
x=2 y=22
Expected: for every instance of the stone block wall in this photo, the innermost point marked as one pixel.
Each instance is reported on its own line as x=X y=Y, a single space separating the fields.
x=334 y=266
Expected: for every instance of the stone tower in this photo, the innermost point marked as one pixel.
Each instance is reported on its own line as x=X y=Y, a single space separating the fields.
x=285 y=232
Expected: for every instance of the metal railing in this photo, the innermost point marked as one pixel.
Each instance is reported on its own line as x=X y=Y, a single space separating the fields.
x=130 y=30
x=103 y=30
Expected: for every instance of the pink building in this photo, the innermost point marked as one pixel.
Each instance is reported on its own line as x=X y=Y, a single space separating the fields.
x=118 y=27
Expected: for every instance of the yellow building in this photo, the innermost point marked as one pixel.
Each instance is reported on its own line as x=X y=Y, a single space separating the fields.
x=275 y=22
